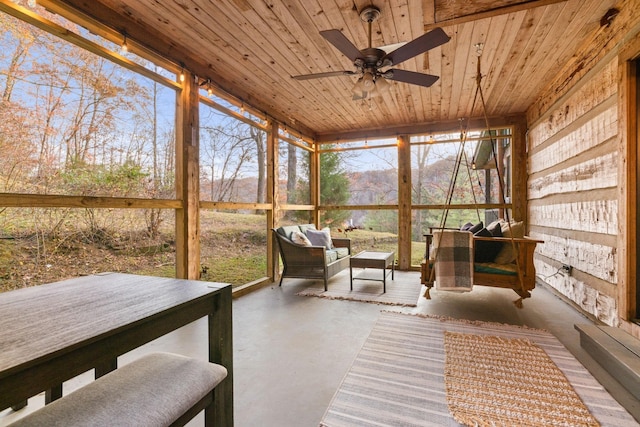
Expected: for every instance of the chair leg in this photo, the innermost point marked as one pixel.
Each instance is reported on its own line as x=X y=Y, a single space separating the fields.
x=281 y=278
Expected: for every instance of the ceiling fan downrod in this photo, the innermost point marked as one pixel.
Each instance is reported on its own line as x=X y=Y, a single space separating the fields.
x=370 y=15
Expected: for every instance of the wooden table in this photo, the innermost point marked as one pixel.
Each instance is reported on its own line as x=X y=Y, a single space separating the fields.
x=369 y=259
x=54 y=332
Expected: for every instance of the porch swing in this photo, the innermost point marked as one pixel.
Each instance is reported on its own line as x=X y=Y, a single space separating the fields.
x=456 y=260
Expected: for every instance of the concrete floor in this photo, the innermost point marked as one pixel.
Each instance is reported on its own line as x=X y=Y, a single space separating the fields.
x=291 y=352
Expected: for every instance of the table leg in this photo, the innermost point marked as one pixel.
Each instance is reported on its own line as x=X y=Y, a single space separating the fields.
x=19 y=405
x=105 y=368
x=350 y=277
x=384 y=280
x=52 y=394
x=221 y=352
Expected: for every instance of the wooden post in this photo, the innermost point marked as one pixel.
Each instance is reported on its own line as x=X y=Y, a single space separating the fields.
x=314 y=182
x=519 y=170
x=628 y=111
x=404 y=203
x=188 y=181
x=273 y=197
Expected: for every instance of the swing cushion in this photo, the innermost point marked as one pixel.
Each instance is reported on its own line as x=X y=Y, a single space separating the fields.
x=493 y=268
x=487 y=251
x=473 y=229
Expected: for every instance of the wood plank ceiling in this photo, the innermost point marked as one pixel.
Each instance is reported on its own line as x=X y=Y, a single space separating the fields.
x=251 y=48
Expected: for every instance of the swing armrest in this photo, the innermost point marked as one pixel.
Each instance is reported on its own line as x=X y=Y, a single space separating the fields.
x=525 y=239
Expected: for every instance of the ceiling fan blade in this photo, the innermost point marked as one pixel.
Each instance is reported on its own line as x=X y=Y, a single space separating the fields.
x=414 y=78
x=343 y=44
x=320 y=75
x=425 y=42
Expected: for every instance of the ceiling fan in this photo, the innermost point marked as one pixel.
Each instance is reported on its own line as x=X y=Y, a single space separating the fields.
x=373 y=64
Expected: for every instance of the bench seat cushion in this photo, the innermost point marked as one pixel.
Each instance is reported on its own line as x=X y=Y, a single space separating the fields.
x=494 y=268
x=154 y=390
x=341 y=252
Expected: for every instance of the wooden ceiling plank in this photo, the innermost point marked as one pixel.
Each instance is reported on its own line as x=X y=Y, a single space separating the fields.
x=495 y=54
x=288 y=61
x=519 y=37
x=536 y=61
x=301 y=23
x=572 y=27
x=278 y=64
x=397 y=29
x=467 y=80
x=461 y=65
x=232 y=71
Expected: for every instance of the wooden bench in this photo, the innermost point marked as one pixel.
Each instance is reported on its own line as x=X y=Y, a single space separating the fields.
x=159 y=389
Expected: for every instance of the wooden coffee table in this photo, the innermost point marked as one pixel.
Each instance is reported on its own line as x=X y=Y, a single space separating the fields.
x=370 y=259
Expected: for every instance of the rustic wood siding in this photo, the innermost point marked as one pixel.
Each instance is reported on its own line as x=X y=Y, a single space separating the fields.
x=572 y=190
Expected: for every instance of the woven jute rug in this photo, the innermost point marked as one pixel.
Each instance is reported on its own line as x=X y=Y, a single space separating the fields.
x=495 y=381
x=398 y=377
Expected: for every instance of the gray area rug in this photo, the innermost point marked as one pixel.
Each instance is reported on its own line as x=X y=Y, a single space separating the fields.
x=403 y=291
x=397 y=379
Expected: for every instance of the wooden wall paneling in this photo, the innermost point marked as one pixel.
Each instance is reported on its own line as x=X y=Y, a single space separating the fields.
x=585 y=137
x=600 y=85
x=595 y=173
x=599 y=215
x=187 y=181
x=594 y=258
x=581 y=291
x=404 y=202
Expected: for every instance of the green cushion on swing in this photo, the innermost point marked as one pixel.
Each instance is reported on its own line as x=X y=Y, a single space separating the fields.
x=493 y=268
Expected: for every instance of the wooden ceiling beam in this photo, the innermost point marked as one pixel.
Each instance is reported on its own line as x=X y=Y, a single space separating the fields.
x=424 y=128
x=490 y=13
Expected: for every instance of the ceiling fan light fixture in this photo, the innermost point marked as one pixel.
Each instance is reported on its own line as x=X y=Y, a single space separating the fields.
x=382 y=85
x=358 y=88
x=367 y=81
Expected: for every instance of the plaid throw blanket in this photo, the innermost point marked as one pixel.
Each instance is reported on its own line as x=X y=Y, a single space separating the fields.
x=453 y=260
